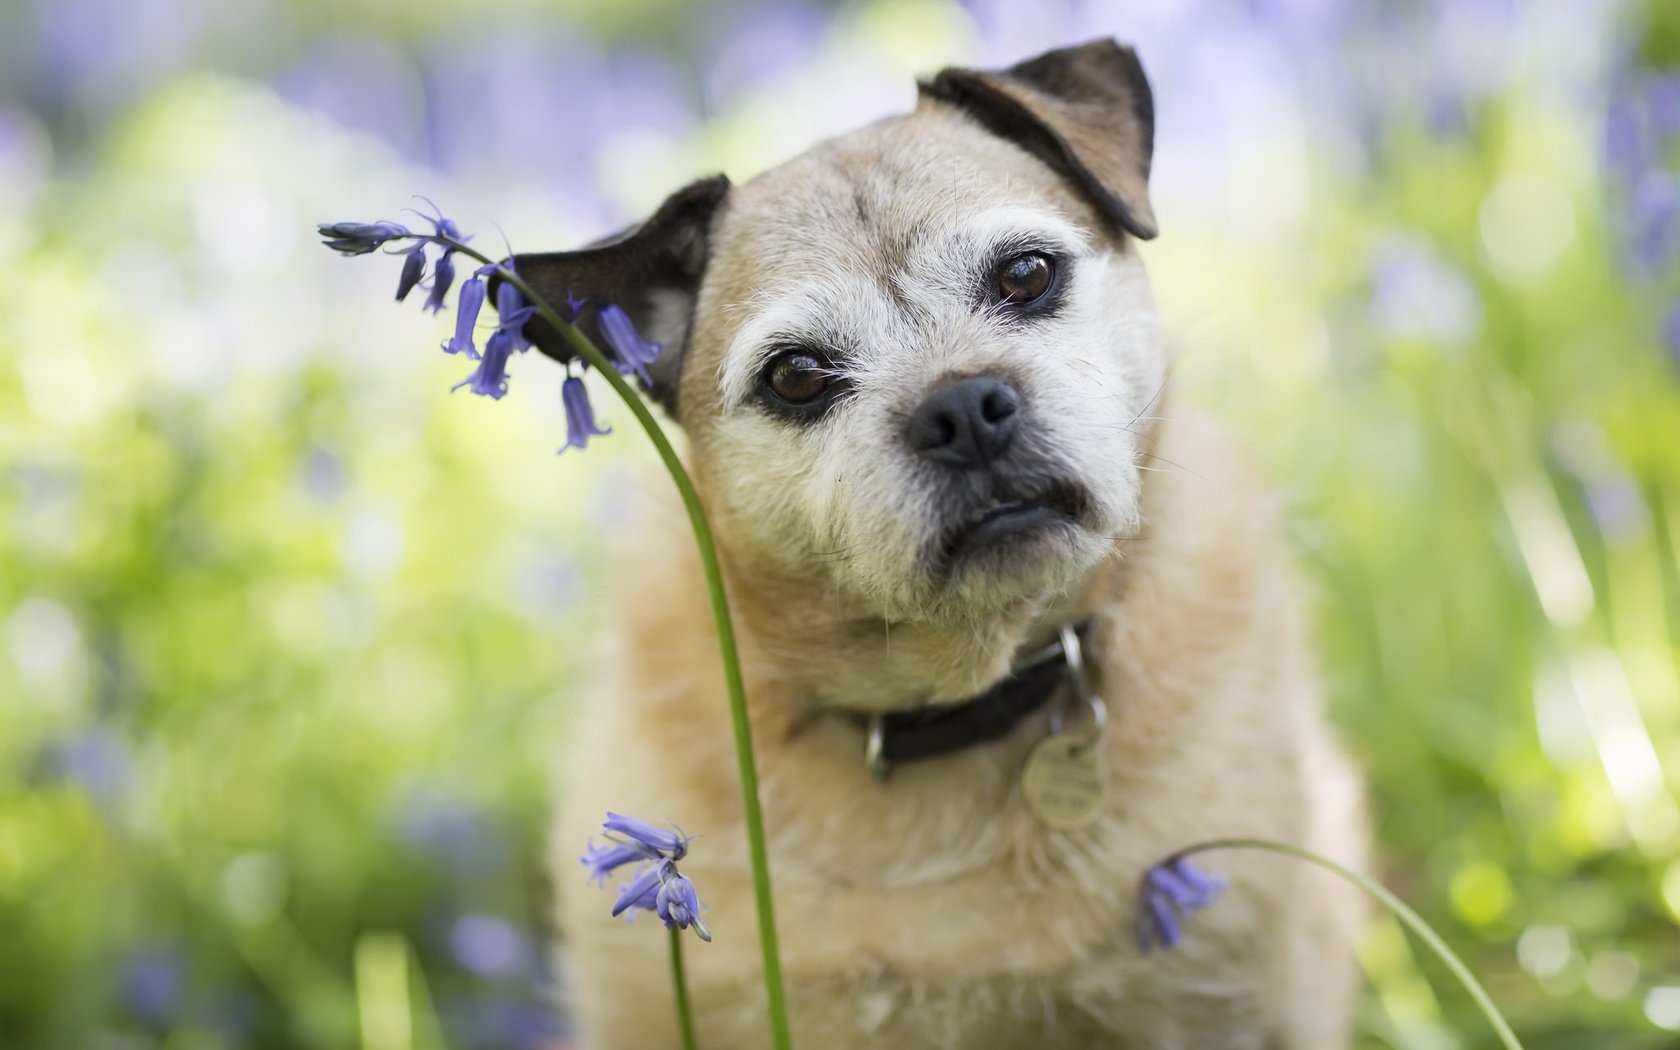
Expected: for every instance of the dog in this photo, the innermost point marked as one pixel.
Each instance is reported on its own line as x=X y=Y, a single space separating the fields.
x=923 y=387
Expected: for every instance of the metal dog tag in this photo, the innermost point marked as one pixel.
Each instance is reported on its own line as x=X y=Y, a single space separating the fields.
x=1063 y=782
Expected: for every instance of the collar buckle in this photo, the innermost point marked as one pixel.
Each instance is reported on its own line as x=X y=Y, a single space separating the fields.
x=874 y=748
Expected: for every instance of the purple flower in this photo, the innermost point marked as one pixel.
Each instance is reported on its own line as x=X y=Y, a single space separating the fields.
x=512 y=313
x=580 y=427
x=488 y=945
x=490 y=377
x=466 y=316
x=657 y=885
x=1169 y=893
x=633 y=352
x=679 y=906
x=443 y=275
x=655 y=838
x=359 y=238
x=642 y=891
x=414 y=267
x=604 y=860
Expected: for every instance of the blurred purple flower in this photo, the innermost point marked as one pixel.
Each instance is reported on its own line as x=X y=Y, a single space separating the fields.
x=490 y=946
x=1652 y=219
x=322 y=475
x=1418 y=295
x=760 y=44
x=1662 y=102
x=481 y=1023
x=580 y=417
x=152 y=982
x=1616 y=505
x=1624 y=134
x=1169 y=893
x=440 y=824
x=96 y=761
x=364 y=84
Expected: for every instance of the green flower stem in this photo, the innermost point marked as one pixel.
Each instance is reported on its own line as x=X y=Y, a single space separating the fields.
x=679 y=981
x=753 y=813
x=1411 y=919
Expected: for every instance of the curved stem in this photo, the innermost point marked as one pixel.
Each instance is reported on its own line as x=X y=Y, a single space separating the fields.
x=679 y=981
x=1409 y=918
x=752 y=811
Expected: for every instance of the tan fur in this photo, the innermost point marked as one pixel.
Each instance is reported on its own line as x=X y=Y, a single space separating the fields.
x=933 y=910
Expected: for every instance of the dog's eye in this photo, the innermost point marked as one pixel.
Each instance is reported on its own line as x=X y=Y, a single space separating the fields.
x=798 y=377
x=1024 y=278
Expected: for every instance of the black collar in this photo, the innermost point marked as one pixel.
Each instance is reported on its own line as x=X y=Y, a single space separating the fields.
x=929 y=732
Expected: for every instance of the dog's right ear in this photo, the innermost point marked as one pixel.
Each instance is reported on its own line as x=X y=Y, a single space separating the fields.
x=651 y=271
x=1086 y=111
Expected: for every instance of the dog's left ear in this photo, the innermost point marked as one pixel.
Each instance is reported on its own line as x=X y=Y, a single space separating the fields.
x=1087 y=111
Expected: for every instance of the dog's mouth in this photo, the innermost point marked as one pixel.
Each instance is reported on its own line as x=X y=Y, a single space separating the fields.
x=1012 y=518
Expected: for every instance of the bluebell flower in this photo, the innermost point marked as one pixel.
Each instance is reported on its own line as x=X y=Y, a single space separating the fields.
x=467 y=307
x=1169 y=893
x=490 y=377
x=441 y=226
x=512 y=313
x=679 y=906
x=657 y=885
x=604 y=860
x=443 y=275
x=642 y=891
x=660 y=840
x=580 y=420
x=359 y=238
x=414 y=268
x=633 y=353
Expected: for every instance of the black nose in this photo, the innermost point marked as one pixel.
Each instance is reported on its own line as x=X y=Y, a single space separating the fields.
x=967 y=423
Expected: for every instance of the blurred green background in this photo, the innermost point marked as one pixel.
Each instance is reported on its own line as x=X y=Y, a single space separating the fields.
x=288 y=634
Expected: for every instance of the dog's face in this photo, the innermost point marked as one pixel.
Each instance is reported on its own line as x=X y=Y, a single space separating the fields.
x=916 y=360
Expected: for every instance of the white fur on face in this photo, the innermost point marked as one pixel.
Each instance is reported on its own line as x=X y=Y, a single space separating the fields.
x=846 y=494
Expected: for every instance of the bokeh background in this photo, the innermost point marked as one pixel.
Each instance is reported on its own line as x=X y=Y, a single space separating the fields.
x=288 y=635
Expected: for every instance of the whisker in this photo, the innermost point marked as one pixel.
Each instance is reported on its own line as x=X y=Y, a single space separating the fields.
x=1147 y=405
x=1170 y=463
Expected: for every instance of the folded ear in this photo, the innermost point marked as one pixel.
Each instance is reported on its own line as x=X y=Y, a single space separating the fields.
x=651 y=271
x=1086 y=111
